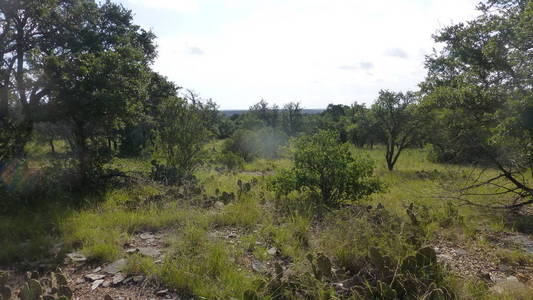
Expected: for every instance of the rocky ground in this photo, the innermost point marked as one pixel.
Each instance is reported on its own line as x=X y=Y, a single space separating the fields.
x=108 y=281
x=475 y=261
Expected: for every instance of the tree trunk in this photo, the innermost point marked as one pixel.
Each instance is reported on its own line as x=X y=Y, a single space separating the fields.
x=81 y=151
x=4 y=101
x=51 y=142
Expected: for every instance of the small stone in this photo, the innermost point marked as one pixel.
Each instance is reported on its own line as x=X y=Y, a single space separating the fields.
x=258 y=266
x=461 y=252
x=77 y=257
x=139 y=278
x=97 y=270
x=132 y=250
x=116 y=266
x=118 y=278
x=94 y=277
x=444 y=257
x=106 y=284
x=107 y=297
x=147 y=236
x=96 y=284
x=232 y=235
x=149 y=251
x=272 y=251
x=511 y=284
x=80 y=281
x=127 y=280
x=161 y=292
x=219 y=205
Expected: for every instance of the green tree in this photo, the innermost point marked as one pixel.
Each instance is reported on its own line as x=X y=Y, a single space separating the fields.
x=478 y=91
x=99 y=79
x=182 y=131
x=363 y=128
x=268 y=114
x=23 y=40
x=292 y=118
x=395 y=113
x=328 y=171
x=137 y=134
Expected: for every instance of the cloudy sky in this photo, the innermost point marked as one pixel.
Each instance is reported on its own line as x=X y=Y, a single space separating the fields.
x=312 y=51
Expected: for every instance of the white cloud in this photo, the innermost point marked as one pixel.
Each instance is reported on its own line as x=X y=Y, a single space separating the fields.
x=303 y=49
x=193 y=50
x=396 y=52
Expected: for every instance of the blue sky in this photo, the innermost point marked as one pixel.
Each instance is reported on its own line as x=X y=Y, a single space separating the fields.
x=315 y=52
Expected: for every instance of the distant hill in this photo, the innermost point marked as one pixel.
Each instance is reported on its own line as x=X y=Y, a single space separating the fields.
x=231 y=112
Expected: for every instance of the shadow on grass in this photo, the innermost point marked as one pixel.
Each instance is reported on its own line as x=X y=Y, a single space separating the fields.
x=33 y=203
x=522 y=223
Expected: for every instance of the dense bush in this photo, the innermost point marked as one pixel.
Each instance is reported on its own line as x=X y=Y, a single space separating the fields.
x=230 y=160
x=328 y=171
x=182 y=131
x=265 y=142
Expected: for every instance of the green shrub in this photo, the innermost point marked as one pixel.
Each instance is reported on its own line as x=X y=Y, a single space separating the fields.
x=328 y=171
x=265 y=143
x=231 y=160
x=182 y=130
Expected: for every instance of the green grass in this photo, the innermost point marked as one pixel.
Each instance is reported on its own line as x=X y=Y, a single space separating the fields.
x=199 y=263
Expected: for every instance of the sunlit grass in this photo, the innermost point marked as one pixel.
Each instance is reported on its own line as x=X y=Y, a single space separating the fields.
x=213 y=267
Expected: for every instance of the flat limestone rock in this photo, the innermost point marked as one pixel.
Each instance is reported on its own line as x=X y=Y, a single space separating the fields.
x=76 y=257
x=147 y=236
x=116 y=266
x=258 y=266
x=96 y=284
x=509 y=285
x=132 y=250
x=149 y=251
x=118 y=278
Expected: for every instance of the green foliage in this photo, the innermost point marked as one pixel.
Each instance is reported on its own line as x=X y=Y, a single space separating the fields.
x=231 y=160
x=265 y=143
x=328 y=171
x=182 y=130
x=398 y=122
x=97 y=82
x=10 y=143
x=478 y=92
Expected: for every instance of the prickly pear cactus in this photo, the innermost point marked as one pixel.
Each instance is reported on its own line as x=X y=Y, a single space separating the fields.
x=279 y=271
x=426 y=256
x=386 y=292
x=65 y=292
x=60 y=286
x=31 y=290
x=409 y=264
x=247 y=187
x=324 y=265
x=322 y=268
x=250 y=295
x=377 y=259
x=5 y=291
